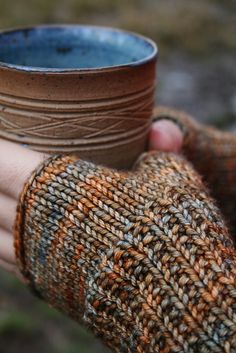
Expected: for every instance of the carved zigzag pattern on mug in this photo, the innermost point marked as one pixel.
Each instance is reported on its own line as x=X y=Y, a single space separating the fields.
x=52 y=128
x=86 y=123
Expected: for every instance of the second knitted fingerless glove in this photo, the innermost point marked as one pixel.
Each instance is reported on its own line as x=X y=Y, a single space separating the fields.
x=213 y=154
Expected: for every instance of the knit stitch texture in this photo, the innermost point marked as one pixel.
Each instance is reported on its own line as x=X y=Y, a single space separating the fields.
x=213 y=154
x=143 y=258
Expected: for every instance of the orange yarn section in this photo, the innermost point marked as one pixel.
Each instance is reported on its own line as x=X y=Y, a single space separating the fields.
x=143 y=258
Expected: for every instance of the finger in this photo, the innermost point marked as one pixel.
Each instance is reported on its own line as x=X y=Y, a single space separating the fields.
x=12 y=269
x=7 y=252
x=166 y=136
x=17 y=163
x=7 y=212
x=6 y=266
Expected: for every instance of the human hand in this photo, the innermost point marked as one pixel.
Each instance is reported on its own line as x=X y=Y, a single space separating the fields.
x=17 y=164
x=178 y=216
x=107 y=246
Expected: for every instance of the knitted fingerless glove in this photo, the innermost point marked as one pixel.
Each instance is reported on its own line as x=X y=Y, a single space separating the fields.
x=213 y=154
x=143 y=258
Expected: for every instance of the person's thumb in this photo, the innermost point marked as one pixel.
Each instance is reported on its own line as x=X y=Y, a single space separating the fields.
x=165 y=135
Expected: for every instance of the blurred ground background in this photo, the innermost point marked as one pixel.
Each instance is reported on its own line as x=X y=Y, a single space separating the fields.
x=196 y=72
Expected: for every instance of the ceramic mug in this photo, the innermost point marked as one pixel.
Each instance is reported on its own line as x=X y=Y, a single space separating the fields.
x=78 y=89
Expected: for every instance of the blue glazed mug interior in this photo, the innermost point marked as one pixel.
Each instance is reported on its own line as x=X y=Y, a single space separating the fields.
x=73 y=47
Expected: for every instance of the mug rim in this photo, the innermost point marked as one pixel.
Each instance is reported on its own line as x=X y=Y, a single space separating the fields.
x=32 y=69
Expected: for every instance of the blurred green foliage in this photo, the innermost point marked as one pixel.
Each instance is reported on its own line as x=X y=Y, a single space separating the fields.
x=15 y=323
x=29 y=325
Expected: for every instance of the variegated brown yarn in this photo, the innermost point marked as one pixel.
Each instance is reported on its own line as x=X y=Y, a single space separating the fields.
x=213 y=154
x=143 y=258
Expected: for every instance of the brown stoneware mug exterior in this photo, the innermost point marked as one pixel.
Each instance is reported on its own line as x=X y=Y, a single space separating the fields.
x=78 y=89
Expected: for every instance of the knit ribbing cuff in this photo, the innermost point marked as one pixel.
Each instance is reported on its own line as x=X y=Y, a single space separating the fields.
x=23 y=213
